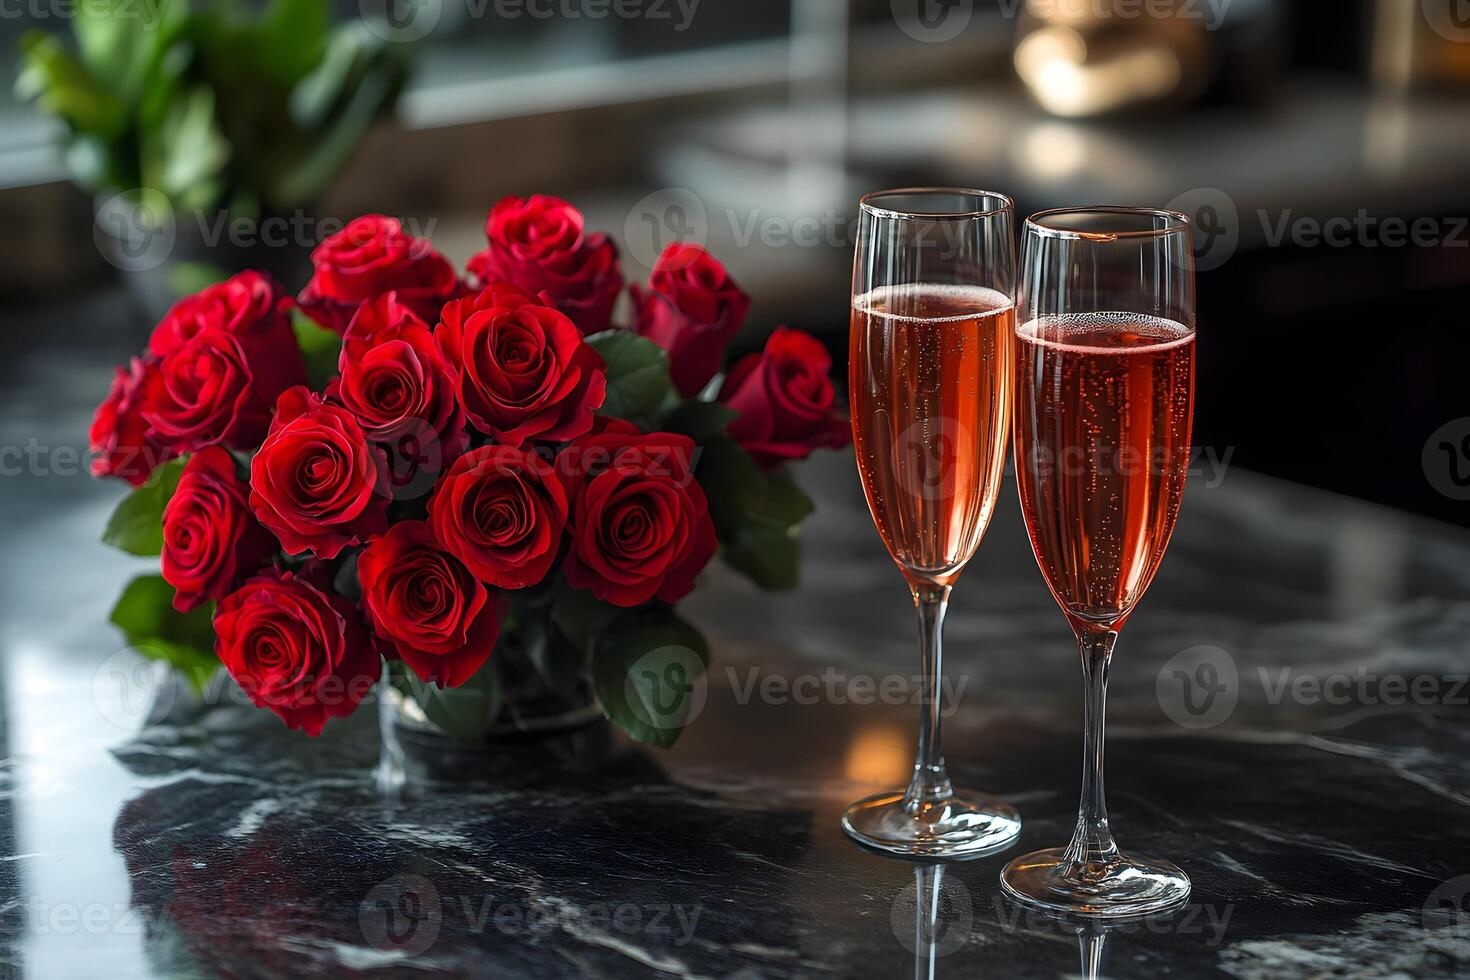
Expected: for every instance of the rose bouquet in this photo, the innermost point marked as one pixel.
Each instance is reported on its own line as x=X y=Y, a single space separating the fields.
x=466 y=482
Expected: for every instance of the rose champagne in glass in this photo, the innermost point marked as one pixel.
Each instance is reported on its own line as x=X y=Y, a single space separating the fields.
x=1104 y=399
x=930 y=375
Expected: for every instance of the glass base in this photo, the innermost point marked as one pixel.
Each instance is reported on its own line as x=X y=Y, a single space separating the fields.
x=957 y=828
x=1121 y=888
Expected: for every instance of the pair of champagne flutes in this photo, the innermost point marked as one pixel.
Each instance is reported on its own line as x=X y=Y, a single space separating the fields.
x=1090 y=359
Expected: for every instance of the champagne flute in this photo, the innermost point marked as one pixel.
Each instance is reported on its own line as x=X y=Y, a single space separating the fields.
x=930 y=377
x=1104 y=397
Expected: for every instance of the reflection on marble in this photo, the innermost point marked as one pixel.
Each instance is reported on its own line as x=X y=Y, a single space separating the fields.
x=1319 y=810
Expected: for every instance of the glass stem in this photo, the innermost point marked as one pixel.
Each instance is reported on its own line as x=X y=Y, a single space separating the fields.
x=1091 y=942
x=930 y=784
x=928 y=885
x=1092 y=849
x=391 y=774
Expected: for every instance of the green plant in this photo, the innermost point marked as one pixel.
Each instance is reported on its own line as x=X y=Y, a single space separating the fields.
x=213 y=106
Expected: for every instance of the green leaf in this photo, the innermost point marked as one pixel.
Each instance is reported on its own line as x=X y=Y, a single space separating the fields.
x=122 y=41
x=579 y=615
x=740 y=492
x=769 y=557
x=755 y=514
x=185 y=156
x=136 y=524
x=555 y=658
x=464 y=713
x=648 y=673
x=333 y=115
x=321 y=349
x=290 y=39
x=166 y=77
x=146 y=616
x=637 y=373
x=50 y=75
x=700 y=421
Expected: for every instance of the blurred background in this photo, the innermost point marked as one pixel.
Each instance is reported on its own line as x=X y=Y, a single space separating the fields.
x=1322 y=148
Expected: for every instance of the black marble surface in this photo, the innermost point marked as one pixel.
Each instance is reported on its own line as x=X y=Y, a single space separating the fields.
x=1324 y=827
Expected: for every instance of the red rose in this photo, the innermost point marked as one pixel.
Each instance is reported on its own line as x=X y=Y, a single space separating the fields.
x=207 y=392
x=317 y=483
x=121 y=442
x=226 y=353
x=296 y=648
x=211 y=540
x=640 y=523
x=397 y=383
x=369 y=257
x=604 y=424
x=501 y=511
x=382 y=316
x=691 y=309
x=785 y=400
x=538 y=244
x=250 y=307
x=524 y=370
x=426 y=606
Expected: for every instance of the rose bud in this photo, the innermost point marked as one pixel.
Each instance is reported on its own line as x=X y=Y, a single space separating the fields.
x=211 y=539
x=785 y=400
x=371 y=256
x=640 y=524
x=121 y=440
x=538 y=244
x=397 y=383
x=426 y=607
x=317 y=483
x=501 y=511
x=296 y=648
x=691 y=309
x=524 y=370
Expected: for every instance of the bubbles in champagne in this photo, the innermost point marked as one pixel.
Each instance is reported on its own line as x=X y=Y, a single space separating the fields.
x=1108 y=331
x=931 y=303
x=1102 y=445
x=930 y=379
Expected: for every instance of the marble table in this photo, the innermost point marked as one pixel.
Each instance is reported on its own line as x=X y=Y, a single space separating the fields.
x=1288 y=723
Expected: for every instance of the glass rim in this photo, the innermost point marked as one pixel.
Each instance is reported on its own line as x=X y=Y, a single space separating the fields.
x=1007 y=203
x=1038 y=223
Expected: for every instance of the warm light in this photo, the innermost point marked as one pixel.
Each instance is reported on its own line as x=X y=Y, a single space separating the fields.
x=880 y=755
x=1053 y=62
x=1054 y=151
